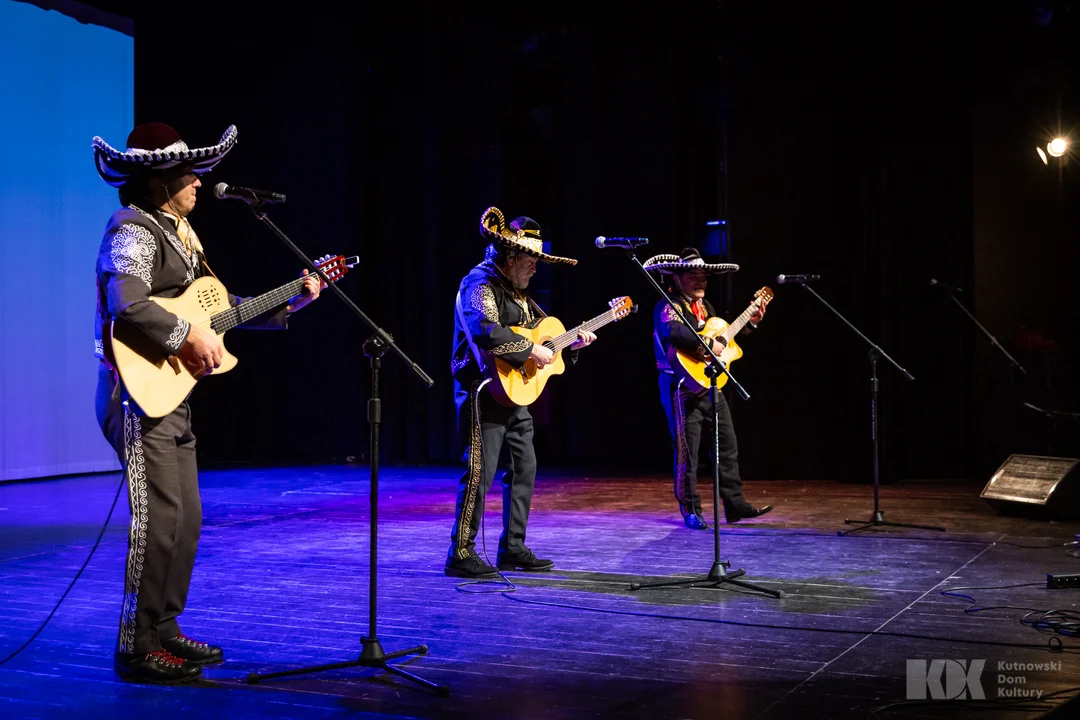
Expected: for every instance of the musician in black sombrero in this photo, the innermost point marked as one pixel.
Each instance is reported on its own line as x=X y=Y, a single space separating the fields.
x=150 y=249
x=689 y=413
x=491 y=299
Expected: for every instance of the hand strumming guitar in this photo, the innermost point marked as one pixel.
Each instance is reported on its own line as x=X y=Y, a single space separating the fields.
x=202 y=351
x=541 y=355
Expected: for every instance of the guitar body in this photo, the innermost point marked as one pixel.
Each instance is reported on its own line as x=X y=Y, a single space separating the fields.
x=692 y=369
x=159 y=382
x=511 y=386
x=156 y=381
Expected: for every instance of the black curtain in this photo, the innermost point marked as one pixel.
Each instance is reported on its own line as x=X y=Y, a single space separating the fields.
x=847 y=154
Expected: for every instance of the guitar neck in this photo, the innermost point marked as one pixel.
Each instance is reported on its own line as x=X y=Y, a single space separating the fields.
x=740 y=322
x=228 y=319
x=561 y=342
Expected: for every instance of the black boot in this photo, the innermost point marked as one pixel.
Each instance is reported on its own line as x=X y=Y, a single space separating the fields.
x=735 y=514
x=692 y=517
x=193 y=651
x=159 y=668
x=524 y=560
x=471 y=567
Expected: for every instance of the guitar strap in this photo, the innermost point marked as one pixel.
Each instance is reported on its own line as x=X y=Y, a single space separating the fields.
x=536 y=307
x=465 y=327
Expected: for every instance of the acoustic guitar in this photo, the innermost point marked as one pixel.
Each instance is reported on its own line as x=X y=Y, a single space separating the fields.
x=159 y=382
x=512 y=386
x=691 y=368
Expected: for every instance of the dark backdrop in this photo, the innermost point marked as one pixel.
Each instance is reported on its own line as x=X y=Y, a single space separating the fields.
x=878 y=145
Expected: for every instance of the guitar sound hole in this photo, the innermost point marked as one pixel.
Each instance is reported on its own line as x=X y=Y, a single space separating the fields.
x=549 y=345
x=720 y=339
x=208 y=299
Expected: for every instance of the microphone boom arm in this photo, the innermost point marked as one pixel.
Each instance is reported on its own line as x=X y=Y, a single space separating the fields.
x=993 y=340
x=874 y=347
x=380 y=335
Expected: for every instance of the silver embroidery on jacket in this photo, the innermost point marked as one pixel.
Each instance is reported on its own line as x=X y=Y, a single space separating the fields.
x=179 y=334
x=132 y=251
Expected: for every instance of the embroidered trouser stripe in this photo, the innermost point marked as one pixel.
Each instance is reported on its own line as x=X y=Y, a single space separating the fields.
x=158 y=457
x=690 y=423
x=484 y=440
x=467 y=504
x=684 y=462
x=135 y=471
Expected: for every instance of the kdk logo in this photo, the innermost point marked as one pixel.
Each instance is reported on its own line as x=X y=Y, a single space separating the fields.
x=945 y=679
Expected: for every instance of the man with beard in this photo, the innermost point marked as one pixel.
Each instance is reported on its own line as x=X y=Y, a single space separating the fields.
x=492 y=299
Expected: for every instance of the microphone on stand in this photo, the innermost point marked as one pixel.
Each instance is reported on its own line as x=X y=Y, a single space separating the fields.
x=233 y=192
x=798 y=279
x=950 y=288
x=626 y=243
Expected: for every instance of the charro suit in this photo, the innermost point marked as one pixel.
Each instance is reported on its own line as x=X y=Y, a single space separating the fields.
x=488 y=305
x=140 y=256
x=690 y=415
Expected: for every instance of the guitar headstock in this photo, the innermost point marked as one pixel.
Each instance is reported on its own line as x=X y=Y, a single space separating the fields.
x=764 y=295
x=622 y=306
x=335 y=266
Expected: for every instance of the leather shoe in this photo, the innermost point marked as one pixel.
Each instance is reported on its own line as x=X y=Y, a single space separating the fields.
x=695 y=522
x=158 y=668
x=523 y=561
x=471 y=567
x=734 y=515
x=193 y=651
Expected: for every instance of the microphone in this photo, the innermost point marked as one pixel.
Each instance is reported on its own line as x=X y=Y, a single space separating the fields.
x=234 y=192
x=618 y=242
x=799 y=279
x=950 y=288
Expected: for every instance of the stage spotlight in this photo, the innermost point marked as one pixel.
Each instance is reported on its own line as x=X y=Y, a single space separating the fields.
x=1057 y=146
x=1042 y=155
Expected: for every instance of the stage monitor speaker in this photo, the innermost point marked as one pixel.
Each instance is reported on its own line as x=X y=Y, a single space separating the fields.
x=1036 y=486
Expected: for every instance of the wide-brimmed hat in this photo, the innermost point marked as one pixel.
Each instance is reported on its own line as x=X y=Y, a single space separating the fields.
x=156 y=146
x=689 y=260
x=522 y=234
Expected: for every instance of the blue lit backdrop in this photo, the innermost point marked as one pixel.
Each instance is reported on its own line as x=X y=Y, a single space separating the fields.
x=61 y=83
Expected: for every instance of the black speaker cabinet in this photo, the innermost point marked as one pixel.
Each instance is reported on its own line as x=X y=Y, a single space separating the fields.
x=1036 y=486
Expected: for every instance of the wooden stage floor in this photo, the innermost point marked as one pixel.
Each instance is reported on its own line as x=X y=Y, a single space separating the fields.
x=282 y=582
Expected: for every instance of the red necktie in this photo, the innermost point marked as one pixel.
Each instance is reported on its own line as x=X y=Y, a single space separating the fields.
x=699 y=310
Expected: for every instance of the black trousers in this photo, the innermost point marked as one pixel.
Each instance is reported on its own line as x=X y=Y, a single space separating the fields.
x=690 y=423
x=503 y=438
x=158 y=455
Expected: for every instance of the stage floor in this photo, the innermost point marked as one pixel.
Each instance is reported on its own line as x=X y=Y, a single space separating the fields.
x=282 y=582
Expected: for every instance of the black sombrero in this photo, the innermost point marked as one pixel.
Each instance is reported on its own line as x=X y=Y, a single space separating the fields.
x=689 y=260
x=156 y=146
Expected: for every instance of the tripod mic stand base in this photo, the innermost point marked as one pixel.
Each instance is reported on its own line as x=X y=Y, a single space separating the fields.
x=371 y=656
x=717 y=576
x=879 y=519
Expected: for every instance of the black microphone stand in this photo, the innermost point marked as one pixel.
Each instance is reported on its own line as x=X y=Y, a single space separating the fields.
x=877 y=518
x=372 y=654
x=993 y=340
x=718 y=574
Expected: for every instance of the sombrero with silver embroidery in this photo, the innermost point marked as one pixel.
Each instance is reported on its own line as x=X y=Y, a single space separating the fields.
x=156 y=146
x=687 y=261
x=522 y=234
